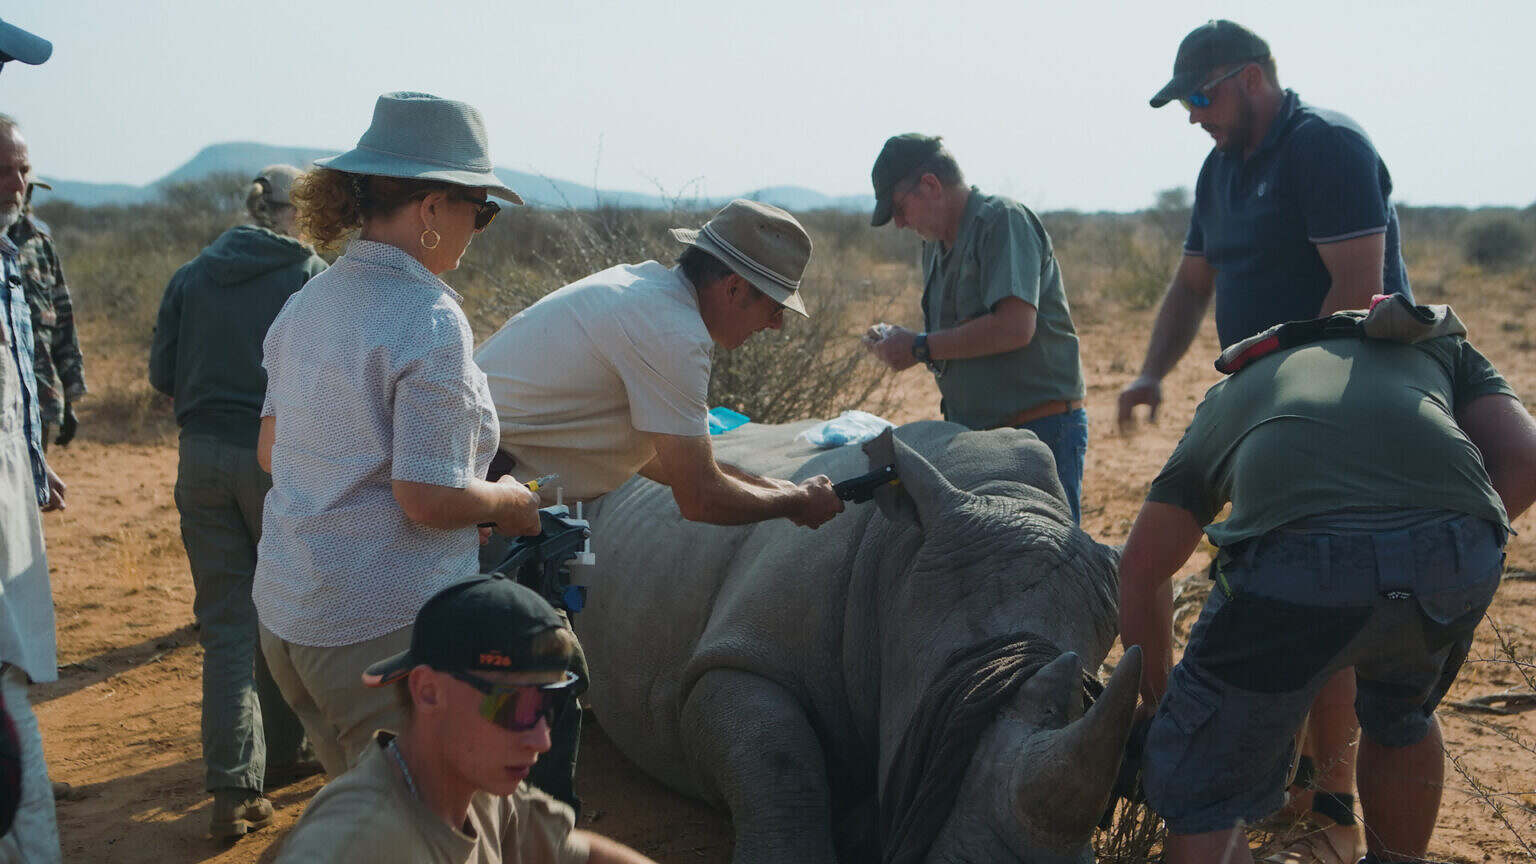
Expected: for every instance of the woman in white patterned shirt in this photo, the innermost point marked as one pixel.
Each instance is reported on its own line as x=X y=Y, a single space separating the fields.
x=378 y=427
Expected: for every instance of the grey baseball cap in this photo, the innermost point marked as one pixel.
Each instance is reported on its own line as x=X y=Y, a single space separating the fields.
x=18 y=44
x=901 y=155
x=1217 y=42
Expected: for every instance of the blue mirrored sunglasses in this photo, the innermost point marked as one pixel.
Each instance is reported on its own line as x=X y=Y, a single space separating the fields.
x=1201 y=98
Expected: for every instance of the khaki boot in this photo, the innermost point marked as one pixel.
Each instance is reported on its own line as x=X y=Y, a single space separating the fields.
x=238 y=811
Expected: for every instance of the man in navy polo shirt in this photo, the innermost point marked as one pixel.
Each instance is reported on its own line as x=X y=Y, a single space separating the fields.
x=1293 y=216
x=1292 y=220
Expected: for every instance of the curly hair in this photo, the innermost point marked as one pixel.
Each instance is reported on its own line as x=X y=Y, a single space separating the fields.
x=332 y=204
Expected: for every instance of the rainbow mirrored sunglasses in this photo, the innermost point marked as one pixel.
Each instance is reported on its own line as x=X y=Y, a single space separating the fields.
x=1201 y=98
x=520 y=707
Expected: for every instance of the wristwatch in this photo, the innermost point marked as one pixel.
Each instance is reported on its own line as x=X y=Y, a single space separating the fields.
x=920 y=348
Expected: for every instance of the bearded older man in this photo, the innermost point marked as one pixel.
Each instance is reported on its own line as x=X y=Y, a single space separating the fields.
x=28 y=652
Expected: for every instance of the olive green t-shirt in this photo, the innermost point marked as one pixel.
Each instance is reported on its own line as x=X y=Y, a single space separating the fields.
x=369 y=814
x=1001 y=251
x=1331 y=426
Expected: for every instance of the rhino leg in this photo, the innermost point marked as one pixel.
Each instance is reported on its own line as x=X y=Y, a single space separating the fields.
x=752 y=742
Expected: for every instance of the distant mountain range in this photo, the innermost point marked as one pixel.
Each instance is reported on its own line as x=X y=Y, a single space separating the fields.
x=243 y=157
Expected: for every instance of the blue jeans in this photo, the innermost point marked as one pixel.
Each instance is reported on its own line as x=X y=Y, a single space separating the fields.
x=1067 y=436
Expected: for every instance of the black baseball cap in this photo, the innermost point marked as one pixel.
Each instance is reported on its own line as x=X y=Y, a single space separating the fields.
x=1217 y=42
x=18 y=44
x=901 y=155
x=483 y=624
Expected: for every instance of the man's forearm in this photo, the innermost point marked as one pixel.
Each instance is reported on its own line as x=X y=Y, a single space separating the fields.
x=729 y=500
x=1161 y=541
x=1178 y=320
x=1009 y=327
x=1146 y=619
x=751 y=479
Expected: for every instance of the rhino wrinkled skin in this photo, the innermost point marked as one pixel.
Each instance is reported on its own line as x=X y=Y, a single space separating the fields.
x=772 y=669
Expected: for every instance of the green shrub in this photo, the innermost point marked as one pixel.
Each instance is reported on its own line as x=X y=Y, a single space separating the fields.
x=1497 y=243
x=119 y=259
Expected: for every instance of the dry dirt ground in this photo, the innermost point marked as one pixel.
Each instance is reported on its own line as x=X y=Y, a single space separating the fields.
x=122 y=722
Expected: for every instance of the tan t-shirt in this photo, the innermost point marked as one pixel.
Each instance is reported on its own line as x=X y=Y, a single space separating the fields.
x=369 y=814
x=582 y=377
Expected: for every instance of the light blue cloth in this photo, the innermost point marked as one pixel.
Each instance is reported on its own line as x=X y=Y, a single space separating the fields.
x=723 y=419
x=849 y=427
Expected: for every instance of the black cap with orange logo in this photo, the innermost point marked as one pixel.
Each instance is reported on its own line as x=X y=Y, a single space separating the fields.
x=483 y=624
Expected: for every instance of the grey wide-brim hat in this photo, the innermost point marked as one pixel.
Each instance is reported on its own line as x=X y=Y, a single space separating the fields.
x=418 y=136
x=760 y=243
x=18 y=44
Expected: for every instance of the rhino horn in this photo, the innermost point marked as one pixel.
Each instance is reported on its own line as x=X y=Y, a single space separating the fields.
x=1070 y=772
x=1053 y=696
x=922 y=496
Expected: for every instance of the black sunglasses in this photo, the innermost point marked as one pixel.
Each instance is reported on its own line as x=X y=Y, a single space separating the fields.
x=520 y=707
x=485 y=211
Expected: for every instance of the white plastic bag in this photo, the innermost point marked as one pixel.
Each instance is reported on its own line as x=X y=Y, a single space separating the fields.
x=849 y=427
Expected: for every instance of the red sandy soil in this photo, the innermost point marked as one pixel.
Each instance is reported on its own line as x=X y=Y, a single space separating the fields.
x=121 y=724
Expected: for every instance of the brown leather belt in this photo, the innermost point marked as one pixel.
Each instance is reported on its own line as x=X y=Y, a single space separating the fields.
x=1044 y=409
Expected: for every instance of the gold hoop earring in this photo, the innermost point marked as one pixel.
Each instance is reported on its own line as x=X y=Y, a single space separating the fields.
x=436 y=239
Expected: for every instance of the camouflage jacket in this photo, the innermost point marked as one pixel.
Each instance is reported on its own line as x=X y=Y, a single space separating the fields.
x=56 y=349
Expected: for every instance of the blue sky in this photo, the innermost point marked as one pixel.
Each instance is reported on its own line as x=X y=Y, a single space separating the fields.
x=1043 y=101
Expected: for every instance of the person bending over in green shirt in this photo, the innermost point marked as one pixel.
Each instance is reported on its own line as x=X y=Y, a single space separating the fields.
x=486 y=675
x=1372 y=482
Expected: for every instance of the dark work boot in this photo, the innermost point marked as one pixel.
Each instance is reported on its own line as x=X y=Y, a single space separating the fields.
x=238 y=811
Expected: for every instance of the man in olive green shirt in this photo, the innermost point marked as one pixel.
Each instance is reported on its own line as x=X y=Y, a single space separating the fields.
x=1372 y=482
x=998 y=333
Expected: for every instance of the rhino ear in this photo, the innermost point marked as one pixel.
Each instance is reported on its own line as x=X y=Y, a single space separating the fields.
x=922 y=496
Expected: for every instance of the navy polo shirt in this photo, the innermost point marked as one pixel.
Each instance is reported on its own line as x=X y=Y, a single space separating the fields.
x=1315 y=179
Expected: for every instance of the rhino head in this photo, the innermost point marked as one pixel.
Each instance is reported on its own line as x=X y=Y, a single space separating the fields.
x=1042 y=774
x=999 y=557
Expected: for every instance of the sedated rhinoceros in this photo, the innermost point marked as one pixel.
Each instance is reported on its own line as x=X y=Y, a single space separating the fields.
x=776 y=670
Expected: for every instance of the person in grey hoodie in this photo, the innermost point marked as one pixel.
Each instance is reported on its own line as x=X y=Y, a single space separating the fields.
x=207 y=354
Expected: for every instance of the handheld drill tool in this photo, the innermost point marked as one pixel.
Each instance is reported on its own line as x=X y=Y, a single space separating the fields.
x=882 y=453
x=862 y=487
x=542 y=562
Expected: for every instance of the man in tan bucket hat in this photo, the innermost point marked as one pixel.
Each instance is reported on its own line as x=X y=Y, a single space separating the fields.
x=607 y=377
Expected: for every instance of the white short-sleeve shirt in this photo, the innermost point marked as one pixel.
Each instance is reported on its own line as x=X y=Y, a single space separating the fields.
x=370 y=378
x=581 y=378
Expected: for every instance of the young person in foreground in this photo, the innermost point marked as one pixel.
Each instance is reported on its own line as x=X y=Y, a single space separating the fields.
x=1372 y=477
x=486 y=675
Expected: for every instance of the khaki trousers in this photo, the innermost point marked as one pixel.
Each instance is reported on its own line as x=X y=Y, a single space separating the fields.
x=324 y=687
